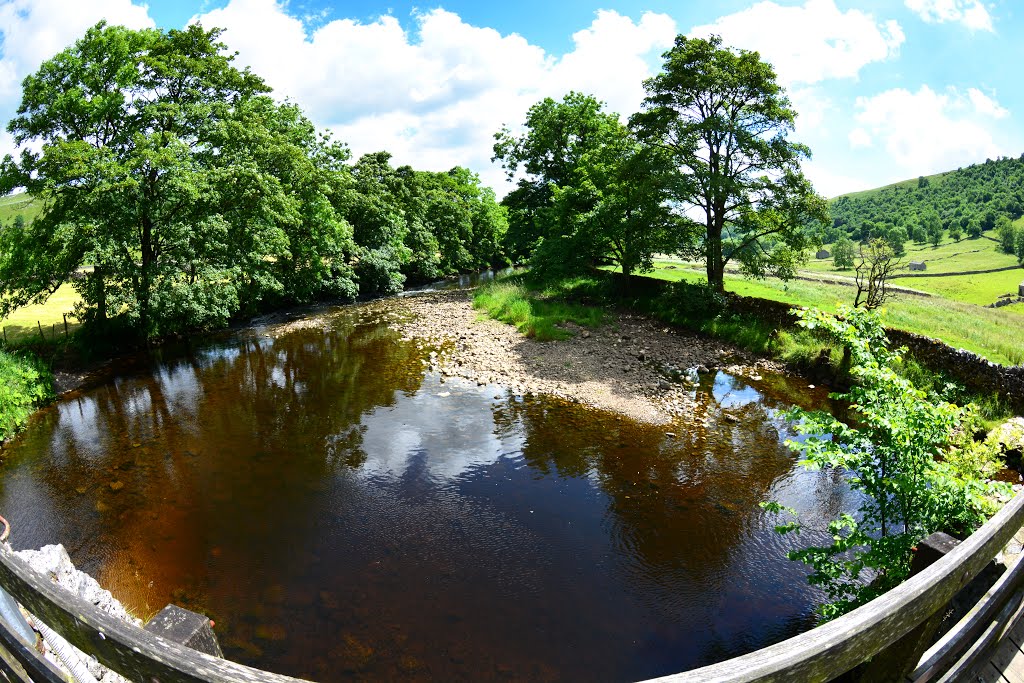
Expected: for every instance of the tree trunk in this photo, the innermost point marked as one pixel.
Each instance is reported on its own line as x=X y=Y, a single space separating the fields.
x=627 y=273
x=99 y=288
x=715 y=266
x=146 y=281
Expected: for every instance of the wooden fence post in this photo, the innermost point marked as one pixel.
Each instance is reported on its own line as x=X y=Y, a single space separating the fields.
x=40 y=326
x=65 y=325
x=895 y=662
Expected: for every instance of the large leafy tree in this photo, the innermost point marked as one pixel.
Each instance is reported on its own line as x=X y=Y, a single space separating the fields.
x=591 y=191
x=172 y=173
x=725 y=121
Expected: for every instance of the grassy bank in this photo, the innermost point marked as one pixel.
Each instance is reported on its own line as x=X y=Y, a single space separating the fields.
x=533 y=311
x=992 y=333
x=25 y=383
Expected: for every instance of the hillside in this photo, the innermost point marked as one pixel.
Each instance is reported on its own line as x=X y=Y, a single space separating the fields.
x=14 y=204
x=978 y=194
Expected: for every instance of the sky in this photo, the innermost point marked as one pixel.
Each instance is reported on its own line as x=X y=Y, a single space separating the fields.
x=885 y=90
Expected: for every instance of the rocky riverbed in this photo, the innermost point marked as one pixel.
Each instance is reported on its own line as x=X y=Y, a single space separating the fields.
x=631 y=364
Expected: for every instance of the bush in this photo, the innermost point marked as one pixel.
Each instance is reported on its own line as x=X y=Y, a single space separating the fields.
x=25 y=383
x=695 y=300
x=910 y=455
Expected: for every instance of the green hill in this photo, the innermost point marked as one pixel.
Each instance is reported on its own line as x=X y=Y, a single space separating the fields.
x=973 y=195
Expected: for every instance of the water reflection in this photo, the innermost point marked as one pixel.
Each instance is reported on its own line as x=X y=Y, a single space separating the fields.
x=343 y=515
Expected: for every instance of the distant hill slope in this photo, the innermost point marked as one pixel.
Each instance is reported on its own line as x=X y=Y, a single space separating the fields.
x=980 y=192
x=14 y=204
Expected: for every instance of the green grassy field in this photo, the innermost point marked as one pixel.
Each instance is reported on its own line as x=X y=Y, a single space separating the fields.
x=992 y=333
x=12 y=205
x=979 y=253
x=24 y=323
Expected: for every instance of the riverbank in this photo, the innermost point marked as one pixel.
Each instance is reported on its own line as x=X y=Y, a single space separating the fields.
x=632 y=364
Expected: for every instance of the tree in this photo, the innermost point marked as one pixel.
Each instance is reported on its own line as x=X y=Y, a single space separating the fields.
x=1006 y=233
x=955 y=231
x=897 y=239
x=593 y=192
x=170 y=171
x=843 y=254
x=875 y=267
x=933 y=226
x=724 y=121
x=974 y=227
x=919 y=234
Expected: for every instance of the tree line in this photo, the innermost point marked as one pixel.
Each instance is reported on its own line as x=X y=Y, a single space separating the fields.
x=177 y=194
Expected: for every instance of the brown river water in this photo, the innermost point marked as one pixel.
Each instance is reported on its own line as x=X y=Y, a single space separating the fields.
x=343 y=515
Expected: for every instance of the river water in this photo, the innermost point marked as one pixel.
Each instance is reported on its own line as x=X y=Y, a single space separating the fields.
x=344 y=515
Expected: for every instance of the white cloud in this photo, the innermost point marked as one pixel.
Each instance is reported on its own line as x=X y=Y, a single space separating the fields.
x=860 y=138
x=809 y=43
x=970 y=13
x=435 y=95
x=927 y=131
x=830 y=183
x=983 y=104
x=32 y=31
x=35 y=30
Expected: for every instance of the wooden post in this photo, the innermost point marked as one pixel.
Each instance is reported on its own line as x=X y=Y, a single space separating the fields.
x=5 y=335
x=40 y=326
x=895 y=662
x=65 y=325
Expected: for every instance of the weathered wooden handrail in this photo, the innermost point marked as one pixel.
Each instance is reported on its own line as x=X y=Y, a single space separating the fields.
x=817 y=655
x=136 y=654
x=838 y=646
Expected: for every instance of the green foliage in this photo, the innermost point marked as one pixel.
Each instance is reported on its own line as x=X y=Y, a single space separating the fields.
x=908 y=455
x=510 y=301
x=980 y=192
x=1006 y=233
x=843 y=253
x=377 y=271
x=724 y=120
x=193 y=193
x=198 y=198
x=25 y=383
x=591 y=193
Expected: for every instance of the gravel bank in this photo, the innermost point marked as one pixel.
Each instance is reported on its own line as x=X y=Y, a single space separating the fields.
x=632 y=364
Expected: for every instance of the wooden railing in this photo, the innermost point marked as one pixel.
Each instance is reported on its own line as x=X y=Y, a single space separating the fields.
x=889 y=634
x=893 y=630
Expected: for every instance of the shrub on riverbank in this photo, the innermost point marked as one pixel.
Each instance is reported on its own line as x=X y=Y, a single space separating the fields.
x=911 y=456
x=25 y=383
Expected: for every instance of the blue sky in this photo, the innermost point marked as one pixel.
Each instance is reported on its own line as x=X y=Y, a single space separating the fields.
x=885 y=90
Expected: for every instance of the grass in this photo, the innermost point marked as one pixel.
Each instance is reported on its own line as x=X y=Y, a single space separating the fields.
x=536 y=316
x=23 y=324
x=980 y=253
x=992 y=333
x=25 y=383
x=13 y=204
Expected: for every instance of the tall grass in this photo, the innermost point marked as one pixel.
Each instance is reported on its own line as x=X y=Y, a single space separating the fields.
x=510 y=301
x=25 y=383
